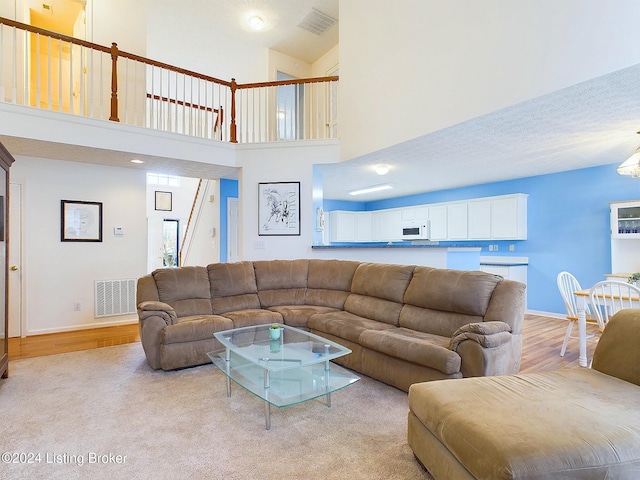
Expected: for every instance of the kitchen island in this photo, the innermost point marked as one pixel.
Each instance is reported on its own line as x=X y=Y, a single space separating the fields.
x=459 y=257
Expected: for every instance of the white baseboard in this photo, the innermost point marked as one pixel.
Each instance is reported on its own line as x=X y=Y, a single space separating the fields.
x=126 y=320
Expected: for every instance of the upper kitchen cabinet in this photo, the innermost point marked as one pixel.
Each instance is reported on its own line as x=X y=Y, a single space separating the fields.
x=509 y=217
x=625 y=219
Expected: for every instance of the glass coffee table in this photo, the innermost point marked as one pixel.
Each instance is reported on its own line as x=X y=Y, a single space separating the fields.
x=283 y=366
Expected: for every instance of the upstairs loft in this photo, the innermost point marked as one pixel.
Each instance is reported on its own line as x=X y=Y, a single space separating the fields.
x=57 y=73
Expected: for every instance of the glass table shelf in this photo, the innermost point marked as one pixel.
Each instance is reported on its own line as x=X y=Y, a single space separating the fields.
x=294 y=367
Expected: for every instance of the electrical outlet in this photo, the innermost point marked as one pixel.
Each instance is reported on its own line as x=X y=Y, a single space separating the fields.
x=512 y=248
x=77 y=306
x=259 y=245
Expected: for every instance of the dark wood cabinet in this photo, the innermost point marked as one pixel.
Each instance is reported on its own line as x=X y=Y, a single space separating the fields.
x=5 y=162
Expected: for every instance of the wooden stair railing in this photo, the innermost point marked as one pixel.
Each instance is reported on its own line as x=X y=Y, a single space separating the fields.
x=115 y=54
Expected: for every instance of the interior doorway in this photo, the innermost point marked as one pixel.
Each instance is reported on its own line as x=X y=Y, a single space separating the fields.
x=16 y=291
x=56 y=67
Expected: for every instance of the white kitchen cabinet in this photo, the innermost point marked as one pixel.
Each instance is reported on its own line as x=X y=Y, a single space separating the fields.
x=438 y=222
x=625 y=219
x=363 y=227
x=479 y=212
x=346 y=226
x=509 y=217
x=625 y=237
x=457 y=219
x=342 y=226
x=386 y=225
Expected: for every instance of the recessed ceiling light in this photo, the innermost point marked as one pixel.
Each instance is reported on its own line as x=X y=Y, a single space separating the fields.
x=382 y=169
x=135 y=160
x=256 y=22
x=375 y=188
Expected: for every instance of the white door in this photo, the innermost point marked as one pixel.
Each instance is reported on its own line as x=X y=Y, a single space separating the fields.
x=15 y=260
x=232 y=230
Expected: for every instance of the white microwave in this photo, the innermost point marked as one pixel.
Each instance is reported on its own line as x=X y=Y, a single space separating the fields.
x=416 y=230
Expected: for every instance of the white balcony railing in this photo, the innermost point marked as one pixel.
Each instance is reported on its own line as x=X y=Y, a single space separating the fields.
x=46 y=70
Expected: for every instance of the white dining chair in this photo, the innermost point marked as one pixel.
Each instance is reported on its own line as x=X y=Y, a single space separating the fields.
x=608 y=297
x=568 y=284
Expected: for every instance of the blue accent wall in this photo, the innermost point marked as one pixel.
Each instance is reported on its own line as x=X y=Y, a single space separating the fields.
x=228 y=189
x=567 y=225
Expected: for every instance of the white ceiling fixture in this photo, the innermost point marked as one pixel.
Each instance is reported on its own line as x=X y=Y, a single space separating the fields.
x=382 y=169
x=631 y=166
x=374 y=188
x=316 y=22
x=256 y=22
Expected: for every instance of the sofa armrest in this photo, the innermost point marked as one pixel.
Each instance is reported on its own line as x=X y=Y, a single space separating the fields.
x=159 y=309
x=486 y=334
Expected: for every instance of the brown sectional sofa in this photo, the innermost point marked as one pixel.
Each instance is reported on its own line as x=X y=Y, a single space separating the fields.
x=573 y=423
x=403 y=323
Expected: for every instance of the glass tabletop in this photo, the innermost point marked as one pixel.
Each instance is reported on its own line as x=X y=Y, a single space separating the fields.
x=283 y=368
x=280 y=348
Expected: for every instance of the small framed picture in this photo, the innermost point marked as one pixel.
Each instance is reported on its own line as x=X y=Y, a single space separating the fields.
x=279 y=208
x=80 y=221
x=164 y=201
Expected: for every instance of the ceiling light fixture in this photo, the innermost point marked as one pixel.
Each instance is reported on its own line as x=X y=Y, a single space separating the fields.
x=256 y=22
x=135 y=160
x=375 y=188
x=632 y=165
x=382 y=169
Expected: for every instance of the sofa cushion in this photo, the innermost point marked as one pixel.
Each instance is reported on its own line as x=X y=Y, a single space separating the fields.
x=571 y=423
x=298 y=315
x=329 y=282
x=345 y=325
x=325 y=298
x=374 y=308
x=254 y=316
x=458 y=291
x=435 y=322
x=233 y=287
x=186 y=289
x=281 y=282
x=415 y=347
x=380 y=280
x=199 y=327
x=449 y=299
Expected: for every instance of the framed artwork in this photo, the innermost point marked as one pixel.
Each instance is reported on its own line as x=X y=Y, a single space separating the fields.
x=80 y=221
x=164 y=201
x=279 y=208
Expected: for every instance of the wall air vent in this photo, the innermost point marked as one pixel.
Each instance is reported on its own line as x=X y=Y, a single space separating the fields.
x=115 y=297
x=316 y=22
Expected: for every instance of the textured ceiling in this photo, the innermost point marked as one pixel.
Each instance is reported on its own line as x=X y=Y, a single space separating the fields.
x=589 y=124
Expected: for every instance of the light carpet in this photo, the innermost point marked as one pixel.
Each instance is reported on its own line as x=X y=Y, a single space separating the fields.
x=105 y=413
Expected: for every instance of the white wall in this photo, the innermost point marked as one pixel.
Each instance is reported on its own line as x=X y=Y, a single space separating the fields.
x=328 y=61
x=280 y=163
x=56 y=274
x=428 y=65
x=279 y=62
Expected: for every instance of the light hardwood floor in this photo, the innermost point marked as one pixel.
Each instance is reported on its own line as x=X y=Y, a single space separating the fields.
x=543 y=338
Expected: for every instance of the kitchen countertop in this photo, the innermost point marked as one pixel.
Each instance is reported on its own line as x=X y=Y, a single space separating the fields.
x=507 y=261
x=471 y=248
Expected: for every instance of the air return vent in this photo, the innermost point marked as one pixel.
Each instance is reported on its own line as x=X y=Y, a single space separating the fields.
x=115 y=297
x=316 y=22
